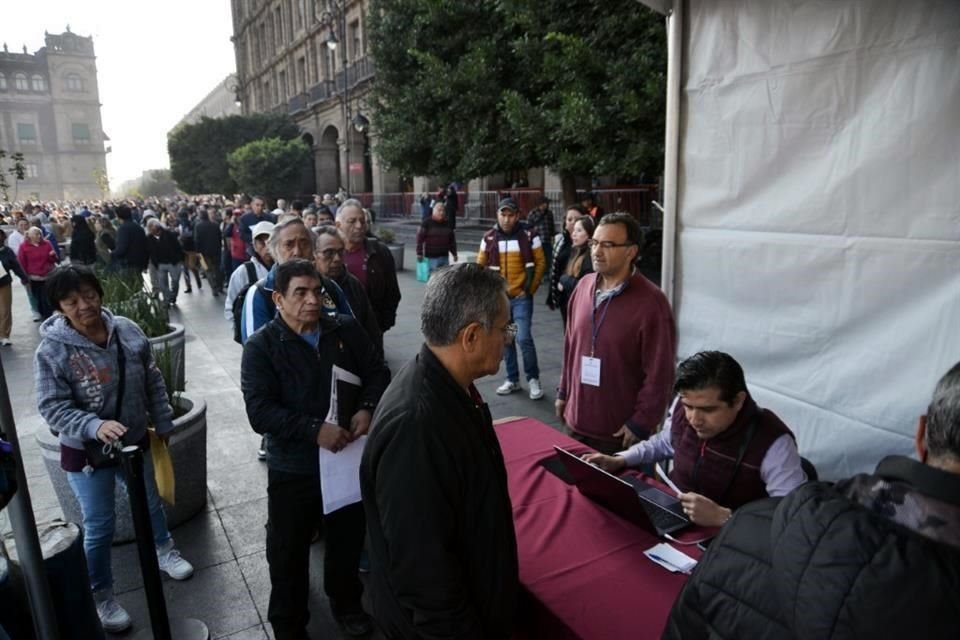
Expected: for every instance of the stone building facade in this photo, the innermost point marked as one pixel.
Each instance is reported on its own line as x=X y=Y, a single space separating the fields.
x=219 y=103
x=50 y=112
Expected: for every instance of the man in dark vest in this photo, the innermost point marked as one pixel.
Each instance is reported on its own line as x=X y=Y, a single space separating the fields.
x=727 y=451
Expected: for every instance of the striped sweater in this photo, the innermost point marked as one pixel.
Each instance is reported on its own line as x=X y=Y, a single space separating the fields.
x=509 y=261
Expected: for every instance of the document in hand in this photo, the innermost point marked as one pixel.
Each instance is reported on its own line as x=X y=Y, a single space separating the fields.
x=340 y=472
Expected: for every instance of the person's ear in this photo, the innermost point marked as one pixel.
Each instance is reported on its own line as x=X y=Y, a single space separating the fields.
x=470 y=337
x=920 y=440
x=277 y=298
x=738 y=400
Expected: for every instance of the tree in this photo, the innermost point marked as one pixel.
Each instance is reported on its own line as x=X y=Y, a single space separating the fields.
x=103 y=182
x=17 y=171
x=269 y=166
x=157 y=183
x=198 y=152
x=575 y=85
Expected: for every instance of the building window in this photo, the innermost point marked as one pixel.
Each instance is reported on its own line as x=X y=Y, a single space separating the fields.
x=268 y=95
x=20 y=82
x=39 y=83
x=32 y=171
x=26 y=133
x=302 y=73
x=74 y=82
x=355 y=44
x=278 y=27
x=282 y=85
x=3 y=82
x=81 y=134
x=299 y=11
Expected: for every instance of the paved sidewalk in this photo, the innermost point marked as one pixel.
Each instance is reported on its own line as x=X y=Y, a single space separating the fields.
x=226 y=542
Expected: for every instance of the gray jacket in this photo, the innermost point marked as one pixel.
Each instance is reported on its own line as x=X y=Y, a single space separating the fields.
x=77 y=381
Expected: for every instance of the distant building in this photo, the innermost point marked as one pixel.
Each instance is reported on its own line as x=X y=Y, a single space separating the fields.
x=219 y=103
x=50 y=112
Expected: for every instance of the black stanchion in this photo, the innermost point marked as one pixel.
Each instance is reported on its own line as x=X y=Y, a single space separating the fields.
x=161 y=627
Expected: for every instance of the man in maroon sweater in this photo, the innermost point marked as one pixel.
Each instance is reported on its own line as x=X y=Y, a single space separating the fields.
x=619 y=348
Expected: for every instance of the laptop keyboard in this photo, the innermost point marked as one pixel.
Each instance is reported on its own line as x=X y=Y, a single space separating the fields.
x=663 y=520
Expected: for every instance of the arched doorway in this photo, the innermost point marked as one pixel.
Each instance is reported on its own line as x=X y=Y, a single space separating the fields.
x=328 y=161
x=308 y=183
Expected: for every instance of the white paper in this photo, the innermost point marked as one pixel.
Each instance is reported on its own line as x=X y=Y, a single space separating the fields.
x=340 y=475
x=670 y=559
x=590 y=371
x=663 y=476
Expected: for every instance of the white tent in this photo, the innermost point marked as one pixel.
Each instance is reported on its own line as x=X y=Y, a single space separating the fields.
x=812 y=224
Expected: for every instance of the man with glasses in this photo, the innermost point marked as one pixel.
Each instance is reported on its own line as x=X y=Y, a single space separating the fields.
x=442 y=547
x=329 y=262
x=619 y=348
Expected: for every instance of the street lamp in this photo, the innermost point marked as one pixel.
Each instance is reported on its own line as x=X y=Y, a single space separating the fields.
x=334 y=17
x=360 y=122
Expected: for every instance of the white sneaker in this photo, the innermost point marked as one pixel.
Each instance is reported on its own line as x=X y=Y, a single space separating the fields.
x=507 y=388
x=535 y=391
x=172 y=564
x=36 y=316
x=5 y=342
x=113 y=617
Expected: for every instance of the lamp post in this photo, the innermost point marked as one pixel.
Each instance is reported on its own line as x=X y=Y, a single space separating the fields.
x=334 y=18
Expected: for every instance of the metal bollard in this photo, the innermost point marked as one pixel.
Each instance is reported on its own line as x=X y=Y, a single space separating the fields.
x=160 y=624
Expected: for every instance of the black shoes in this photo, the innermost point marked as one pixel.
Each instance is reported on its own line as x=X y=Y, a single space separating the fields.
x=355 y=624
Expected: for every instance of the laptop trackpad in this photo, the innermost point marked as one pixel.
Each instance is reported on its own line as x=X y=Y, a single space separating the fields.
x=657 y=497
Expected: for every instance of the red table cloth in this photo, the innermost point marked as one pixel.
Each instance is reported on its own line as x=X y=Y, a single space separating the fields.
x=582 y=566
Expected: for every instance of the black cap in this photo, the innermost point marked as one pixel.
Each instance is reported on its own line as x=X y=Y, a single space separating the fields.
x=508 y=203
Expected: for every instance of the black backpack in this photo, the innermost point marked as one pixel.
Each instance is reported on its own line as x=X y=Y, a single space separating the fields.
x=238 y=301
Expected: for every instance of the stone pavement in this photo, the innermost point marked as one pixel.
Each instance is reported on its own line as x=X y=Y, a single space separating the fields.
x=226 y=542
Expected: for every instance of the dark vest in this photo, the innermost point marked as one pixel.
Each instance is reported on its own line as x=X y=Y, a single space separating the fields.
x=708 y=467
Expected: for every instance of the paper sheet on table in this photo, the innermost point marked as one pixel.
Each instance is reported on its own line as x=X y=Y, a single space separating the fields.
x=340 y=472
x=340 y=475
x=670 y=559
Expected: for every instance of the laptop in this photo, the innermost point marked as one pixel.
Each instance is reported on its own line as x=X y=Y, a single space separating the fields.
x=629 y=497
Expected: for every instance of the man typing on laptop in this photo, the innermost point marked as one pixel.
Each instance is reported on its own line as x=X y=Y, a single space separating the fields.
x=727 y=451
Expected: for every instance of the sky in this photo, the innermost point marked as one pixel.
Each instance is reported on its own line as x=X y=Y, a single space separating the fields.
x=155 y=62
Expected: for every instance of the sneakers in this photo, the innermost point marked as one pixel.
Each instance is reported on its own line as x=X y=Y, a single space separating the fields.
x=172 y=564
x=355 y=624
x=5 y=342
x=36 y=316
x=262 y=451
x=113 y=617
x=536 y=392
x=507 y=388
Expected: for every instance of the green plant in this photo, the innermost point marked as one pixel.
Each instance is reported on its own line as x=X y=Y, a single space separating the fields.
x=386 y=235
x=167 y=365
x=124 y=295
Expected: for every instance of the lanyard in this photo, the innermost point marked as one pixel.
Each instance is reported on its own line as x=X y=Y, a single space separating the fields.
x=596 y=326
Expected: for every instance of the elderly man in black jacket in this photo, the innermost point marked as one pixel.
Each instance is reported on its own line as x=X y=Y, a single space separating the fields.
x=166 y=260
x=875 y=556
x=370 y=262
x=286 y=379
x=443 y=554
x=130 y=251
x=208 y=242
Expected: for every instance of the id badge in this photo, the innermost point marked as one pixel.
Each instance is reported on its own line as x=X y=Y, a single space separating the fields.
x=590 y=371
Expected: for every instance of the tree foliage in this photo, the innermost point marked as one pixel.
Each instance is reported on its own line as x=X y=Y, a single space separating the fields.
x=269 y=166
x=465 y=89
x=17 y=171
x=157 y=183
x=198 y=152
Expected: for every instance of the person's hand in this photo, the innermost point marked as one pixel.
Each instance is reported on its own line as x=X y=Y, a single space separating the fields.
x=627 y=437
x=558 y=407
x=110 y=431
x=360 y=424
x=455 y=259
x=332 y=437
x=703 y=511
x=612 y=464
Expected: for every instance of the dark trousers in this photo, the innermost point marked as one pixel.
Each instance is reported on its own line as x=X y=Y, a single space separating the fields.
x=37 y=288
x=295 y=511
x=603 y=446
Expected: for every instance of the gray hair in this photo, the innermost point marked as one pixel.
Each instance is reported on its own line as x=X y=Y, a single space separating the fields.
x=350 y=202
x=943 y=416
x=327 y=230
x=457 y=296
x=274 y=242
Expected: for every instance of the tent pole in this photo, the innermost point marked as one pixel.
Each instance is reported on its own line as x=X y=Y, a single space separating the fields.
x=672 y=150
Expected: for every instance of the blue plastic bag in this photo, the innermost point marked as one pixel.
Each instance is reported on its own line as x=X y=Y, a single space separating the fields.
x=423 y=270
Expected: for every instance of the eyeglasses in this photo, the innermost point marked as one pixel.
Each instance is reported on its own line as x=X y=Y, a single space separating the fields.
x=606 y=245
x=329 y=254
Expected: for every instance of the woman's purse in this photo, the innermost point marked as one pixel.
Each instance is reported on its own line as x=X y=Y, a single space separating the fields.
x=101 y=455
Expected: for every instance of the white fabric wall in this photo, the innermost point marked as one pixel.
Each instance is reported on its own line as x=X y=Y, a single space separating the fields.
x=819 y=211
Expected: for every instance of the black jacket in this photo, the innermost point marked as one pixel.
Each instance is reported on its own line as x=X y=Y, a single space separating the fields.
x=382 y=286
x=83 y=244
x=12 y=266
x=164 y=248
x=443 y=552
x=131 y=249
x=207 y=240
x=286 y=385
x=877 y=556
x=361 y=307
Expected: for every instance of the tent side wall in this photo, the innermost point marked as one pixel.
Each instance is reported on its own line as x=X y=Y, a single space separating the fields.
x=819 y=211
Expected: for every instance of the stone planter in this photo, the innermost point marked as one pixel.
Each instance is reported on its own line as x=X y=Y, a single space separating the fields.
x=397 y=251
x=188 y=450
x=176 y=341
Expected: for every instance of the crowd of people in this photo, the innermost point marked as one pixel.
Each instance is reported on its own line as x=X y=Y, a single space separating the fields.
x=310 y=293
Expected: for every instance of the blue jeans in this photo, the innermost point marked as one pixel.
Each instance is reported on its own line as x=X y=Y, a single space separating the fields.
x=435 y=263
x=521 y=312
x=94 y=492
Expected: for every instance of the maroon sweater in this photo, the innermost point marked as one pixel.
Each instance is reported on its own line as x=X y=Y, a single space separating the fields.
x=708 y=467
x=435 y=240
x=636 y=345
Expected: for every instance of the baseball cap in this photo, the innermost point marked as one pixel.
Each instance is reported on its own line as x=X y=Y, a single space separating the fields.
x=508 y=203
x=264 y=228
